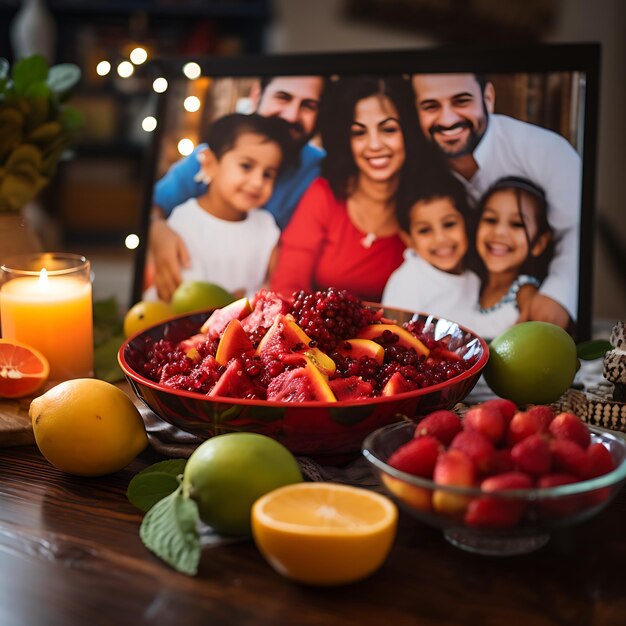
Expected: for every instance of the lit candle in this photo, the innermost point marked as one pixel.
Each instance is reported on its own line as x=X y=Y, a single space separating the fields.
x=51 y=310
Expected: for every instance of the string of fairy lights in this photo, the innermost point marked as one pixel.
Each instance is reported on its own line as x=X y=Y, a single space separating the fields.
x=125 y=69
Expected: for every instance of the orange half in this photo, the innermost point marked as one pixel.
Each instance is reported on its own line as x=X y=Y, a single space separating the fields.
x=323 y=533
x=23 y=369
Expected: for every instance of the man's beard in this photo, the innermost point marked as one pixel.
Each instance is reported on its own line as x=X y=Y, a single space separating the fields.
x=467 y=148
x=298 y=135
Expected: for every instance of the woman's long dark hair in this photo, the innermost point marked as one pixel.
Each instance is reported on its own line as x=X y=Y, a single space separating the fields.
x=337 y=115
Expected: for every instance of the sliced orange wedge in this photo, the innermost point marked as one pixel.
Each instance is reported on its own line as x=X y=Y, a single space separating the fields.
x=23 y=369
x=323 y=533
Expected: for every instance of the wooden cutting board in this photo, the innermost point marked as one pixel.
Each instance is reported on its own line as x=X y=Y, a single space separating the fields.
x=15 y=426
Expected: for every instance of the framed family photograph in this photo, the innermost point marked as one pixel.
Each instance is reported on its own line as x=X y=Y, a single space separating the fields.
x=452 y=181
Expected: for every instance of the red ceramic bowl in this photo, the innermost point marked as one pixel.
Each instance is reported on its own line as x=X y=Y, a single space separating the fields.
x=325 y=431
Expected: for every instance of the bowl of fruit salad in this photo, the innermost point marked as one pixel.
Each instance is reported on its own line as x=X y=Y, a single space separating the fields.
x=500 y=480
x=318 y=371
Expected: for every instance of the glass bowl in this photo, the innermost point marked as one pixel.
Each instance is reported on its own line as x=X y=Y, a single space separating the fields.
x=538 y=511
x=330 y=432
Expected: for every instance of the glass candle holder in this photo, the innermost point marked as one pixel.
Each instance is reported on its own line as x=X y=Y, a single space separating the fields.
x=46 y=302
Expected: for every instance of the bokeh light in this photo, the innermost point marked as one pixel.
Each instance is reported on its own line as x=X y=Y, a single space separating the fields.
x=125 y=69
x=160 y=84
x=185 y=146
x=149 y=123
x=192 y=104
x=131 y=241
x=192 y=70
x=138 y=56
x=103 y=68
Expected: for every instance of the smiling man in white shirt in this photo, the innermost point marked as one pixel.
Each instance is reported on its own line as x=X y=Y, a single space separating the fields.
x=456 y=113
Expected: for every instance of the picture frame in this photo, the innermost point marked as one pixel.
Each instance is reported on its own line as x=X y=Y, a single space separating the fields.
x=553 y=86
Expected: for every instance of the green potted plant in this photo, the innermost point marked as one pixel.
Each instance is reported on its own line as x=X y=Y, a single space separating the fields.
x=37 y=127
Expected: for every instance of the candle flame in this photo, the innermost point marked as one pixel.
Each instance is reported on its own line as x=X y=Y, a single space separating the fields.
x=43 y=277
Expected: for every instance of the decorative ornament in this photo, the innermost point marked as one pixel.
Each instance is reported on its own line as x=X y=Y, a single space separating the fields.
x=614 y=365
x=604 y=404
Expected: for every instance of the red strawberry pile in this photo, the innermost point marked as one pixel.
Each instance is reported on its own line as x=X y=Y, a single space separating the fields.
x=498 y=448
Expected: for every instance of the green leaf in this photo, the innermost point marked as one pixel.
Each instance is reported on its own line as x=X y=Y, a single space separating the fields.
x=594 y=349
x=155 y=483
x=170 y=530
x=173 y=467
x=39 y=90
x=146 y=491
x=71 y=118
x=28 y=71
x=63 y=77
x=106 y=365
x=107 y=320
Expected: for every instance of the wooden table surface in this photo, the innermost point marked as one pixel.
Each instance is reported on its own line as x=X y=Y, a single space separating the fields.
x=70 y=554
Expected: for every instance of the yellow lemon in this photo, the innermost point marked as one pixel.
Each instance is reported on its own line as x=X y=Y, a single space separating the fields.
x=87 y=427
x=324 y=533
x=144 y=314
x=531 y=363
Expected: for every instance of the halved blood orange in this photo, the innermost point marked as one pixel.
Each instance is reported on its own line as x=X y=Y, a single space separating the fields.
x=23 y=369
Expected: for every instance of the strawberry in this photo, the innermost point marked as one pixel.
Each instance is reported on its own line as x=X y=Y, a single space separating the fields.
x=561 y=506
x=417 y=457
x=532 y=455
x=507 y=408
x=499 y=463
x=523 y=425
x=453 y=467
x=490 y=512
x=487 y=420
x=556 y=479
x=569 y=426
x=442 y=425
x=493 y=512
x=477 y=447
x=600 y=460
x=544 y=413
x=508 y=480
x=567 y=456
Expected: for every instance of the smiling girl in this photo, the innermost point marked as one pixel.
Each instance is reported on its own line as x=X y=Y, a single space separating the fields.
x=515 y=244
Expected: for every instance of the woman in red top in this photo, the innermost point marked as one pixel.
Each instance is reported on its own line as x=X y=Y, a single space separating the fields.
x=344 y=232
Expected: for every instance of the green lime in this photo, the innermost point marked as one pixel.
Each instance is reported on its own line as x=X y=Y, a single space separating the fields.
x=226 y=474
x=197 y=295
x=531 y=363
x=145 y=314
